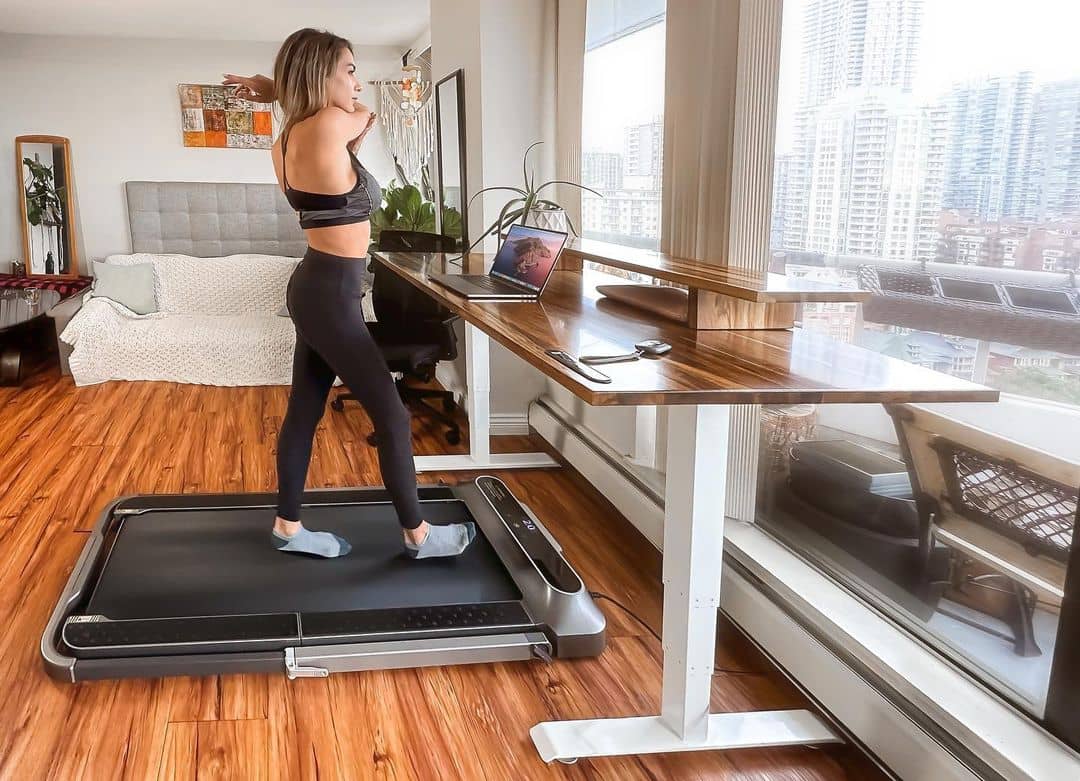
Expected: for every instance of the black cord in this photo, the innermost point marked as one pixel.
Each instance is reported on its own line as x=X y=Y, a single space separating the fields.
x=640 y=620
x=629 y=612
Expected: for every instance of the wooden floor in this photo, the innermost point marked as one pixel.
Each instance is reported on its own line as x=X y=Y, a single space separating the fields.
x=67 y=451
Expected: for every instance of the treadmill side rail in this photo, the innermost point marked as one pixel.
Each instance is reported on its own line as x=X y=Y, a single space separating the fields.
x=320 y=661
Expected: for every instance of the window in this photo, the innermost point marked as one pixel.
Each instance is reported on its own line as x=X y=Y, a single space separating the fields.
x=930 y=154
x=622 y=121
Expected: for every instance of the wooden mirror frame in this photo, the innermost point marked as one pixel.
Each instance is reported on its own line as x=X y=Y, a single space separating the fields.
x=69 y=218
x=457 y=76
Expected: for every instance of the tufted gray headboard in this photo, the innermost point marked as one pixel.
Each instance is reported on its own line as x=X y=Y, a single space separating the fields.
x=212 y=219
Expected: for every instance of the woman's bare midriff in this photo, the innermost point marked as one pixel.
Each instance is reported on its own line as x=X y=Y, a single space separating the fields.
x=347 y=241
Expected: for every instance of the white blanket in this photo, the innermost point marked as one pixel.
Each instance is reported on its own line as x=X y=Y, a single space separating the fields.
x=110 y=342
x=217 y=324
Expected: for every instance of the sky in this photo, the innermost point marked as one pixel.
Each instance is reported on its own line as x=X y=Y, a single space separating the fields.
x=624 y=86
x=961 y=39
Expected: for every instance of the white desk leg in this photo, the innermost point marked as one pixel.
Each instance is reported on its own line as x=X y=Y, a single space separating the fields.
x=697 y=448
x=477 y=375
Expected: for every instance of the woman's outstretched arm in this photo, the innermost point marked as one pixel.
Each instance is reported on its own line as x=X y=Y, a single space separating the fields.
x=258 y=88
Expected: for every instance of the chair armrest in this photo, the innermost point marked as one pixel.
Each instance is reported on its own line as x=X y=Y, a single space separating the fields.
x=61 y=315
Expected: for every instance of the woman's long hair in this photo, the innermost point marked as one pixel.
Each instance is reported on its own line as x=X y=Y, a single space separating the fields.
x=303 y=64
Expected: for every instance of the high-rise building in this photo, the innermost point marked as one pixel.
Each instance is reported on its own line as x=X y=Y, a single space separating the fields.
x=989 y=139
x=630 y=217
x=869 y=191
x=629 y=212
x=781 y=188
x=602 y=170
x=1052 y=183
x=858 y=43
x=856 y=180
x=643 y=149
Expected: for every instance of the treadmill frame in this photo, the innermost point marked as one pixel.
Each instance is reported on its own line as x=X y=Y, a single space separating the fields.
x=567 y=622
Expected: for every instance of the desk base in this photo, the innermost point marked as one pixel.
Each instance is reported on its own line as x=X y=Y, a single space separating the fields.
x=568 y=741
x=467 y=462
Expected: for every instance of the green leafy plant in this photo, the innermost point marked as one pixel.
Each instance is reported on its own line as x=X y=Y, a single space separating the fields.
x=43 y=204
x=44 y=207
x=404 y=208
x=527 y=200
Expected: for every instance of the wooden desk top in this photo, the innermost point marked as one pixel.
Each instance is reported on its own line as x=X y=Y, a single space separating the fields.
x=756 y=286
x=703 y=367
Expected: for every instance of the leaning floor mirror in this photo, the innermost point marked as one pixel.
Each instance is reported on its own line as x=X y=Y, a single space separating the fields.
x=450 y=149
x=44 y=178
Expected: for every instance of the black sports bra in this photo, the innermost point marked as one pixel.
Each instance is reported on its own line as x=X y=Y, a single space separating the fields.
x=319 y=210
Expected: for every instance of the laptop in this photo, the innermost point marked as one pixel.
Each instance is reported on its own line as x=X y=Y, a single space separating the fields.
x=521 y=269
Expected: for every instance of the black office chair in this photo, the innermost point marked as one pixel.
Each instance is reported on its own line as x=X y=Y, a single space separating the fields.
x=412 y=330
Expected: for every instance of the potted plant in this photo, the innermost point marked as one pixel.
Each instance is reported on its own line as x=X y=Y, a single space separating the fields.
x=528 y=207
x=404 y=208
x=44 y=209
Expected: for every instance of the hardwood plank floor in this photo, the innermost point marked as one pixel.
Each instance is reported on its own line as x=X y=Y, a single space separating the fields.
x=67 y=451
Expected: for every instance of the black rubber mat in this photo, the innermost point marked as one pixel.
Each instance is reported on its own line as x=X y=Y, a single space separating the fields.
x=221 y=562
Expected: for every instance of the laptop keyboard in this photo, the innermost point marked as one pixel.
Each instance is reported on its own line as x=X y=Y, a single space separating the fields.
x=487 y=284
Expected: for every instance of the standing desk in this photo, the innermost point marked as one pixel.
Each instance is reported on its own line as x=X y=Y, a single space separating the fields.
x=711 y=366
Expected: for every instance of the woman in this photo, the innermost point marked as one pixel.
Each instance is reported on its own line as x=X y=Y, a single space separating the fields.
x=315 y=161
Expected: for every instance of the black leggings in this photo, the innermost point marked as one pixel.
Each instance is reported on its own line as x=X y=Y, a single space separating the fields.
x=332 y=340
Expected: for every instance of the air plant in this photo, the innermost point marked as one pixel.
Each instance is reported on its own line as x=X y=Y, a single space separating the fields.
x=526 y=201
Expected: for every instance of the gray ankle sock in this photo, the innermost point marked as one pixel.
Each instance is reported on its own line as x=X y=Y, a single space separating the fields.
x=448 y=540
x=322 y=544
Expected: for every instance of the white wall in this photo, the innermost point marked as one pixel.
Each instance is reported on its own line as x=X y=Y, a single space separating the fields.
x=507 y=51
x=117 y=102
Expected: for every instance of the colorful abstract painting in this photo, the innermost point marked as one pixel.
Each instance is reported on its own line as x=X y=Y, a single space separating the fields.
x=213 y=116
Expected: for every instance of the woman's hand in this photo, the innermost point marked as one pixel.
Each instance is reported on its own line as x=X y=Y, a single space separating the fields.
x=257 y=88
x=355 y=143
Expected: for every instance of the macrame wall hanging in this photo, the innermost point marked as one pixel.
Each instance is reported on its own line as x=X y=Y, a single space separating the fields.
x=408 y=116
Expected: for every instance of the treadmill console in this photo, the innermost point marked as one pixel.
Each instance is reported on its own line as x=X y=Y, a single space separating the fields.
x=529 y=535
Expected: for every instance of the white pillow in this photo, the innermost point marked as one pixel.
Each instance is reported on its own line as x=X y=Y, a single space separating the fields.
x=130 y=286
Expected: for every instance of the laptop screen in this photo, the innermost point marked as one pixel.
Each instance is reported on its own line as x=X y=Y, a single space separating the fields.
x=527 y=256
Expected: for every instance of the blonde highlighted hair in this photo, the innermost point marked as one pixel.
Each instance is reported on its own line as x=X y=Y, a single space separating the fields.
x=303 y=64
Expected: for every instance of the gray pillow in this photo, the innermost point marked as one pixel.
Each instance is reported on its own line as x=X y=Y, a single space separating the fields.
x=130 y=286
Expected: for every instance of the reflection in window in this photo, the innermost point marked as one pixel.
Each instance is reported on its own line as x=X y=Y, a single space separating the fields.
x=952 y=197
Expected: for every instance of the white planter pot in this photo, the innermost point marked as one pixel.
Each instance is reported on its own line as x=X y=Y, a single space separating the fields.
x=548 y=219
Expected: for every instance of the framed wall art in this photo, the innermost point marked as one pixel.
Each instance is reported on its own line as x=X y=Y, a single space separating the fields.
x=213 y=116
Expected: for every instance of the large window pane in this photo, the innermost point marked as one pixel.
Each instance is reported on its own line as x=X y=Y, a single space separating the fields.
x=622 y=121
x=929 y=153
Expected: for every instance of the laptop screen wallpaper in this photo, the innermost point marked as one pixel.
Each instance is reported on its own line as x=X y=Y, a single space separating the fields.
x=527 y=255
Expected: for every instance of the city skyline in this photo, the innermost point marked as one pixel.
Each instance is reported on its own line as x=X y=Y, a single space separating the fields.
x=996 y=41
x=872 y=168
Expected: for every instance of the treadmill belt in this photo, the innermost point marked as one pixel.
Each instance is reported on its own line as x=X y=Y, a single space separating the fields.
x=207 y=562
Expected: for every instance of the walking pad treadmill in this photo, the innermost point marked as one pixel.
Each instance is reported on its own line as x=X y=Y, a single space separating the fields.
x=191 y=585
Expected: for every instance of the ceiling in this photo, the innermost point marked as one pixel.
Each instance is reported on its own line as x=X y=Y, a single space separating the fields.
x=364 y=22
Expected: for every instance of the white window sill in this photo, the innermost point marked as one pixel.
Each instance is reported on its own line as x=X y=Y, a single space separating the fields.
x=993 y=730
